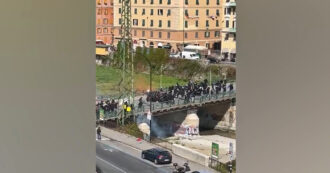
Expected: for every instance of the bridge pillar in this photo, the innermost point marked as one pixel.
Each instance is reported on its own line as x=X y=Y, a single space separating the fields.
x=190 y=124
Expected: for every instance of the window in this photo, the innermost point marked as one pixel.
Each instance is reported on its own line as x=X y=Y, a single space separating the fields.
x=99 y=21
x=134 y=32
x=105 y=30
x=159 y=34
x=186 y=24
x=234 y=24
x=99 y=11
x=151 y=34
x=135 y=1
x=227 y=23
x=151 y=22
x=207 y=34
x=207 y=2
x=152 y=12
x=119 y=10
x=196 y=13
x=105 y=11
x=217 y=23
x=160 y=1
x=234 y=11
x=143 y=33
x=217 y=34
x=207 y=12
x=169 y=23
x=234 y=37
x=168 y=12
x=185 y=35
x=135 y=22
x=207 y=45
x=144 y=1
x=196 y=34
x=143 y=11
x=229 y=11
x=143 y=22
x=135 y=10
x=99 y=30
x=105 y=21
x=218 y=2
x=151 y=1
x=227 y=0
x=99 y=2
x=207 y=23
x=168 y=2
x=168 y=35
x=119 y=21
x=196 y=23
x=119 y=1
x=218 y=12
x=197 y=2
x=160 y=12
x=160 y=23
x=227 y=36
x=186 y=2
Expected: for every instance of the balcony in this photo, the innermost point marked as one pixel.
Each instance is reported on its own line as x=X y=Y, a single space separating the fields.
x=230 y=4
x=232 y=30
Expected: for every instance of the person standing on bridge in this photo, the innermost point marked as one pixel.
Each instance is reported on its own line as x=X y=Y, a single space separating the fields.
x=98 y=131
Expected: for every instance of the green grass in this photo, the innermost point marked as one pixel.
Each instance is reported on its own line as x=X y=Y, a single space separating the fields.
x=107 y=78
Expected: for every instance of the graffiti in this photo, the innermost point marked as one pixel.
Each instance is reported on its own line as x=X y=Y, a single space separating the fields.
x=187 y=131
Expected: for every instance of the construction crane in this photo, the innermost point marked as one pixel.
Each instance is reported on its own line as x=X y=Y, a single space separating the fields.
x=125 y=50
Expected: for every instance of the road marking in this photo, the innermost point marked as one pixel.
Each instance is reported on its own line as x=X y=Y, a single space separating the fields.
x=111 y=164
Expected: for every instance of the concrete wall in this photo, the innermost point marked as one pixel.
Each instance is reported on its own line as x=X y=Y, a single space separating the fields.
x=190 y=154
x=218 y=116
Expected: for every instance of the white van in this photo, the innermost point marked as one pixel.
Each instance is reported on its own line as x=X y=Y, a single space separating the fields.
x=189 y=55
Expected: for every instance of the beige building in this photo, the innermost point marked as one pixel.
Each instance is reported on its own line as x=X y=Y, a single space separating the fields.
x=171 y=22
x=228 y=31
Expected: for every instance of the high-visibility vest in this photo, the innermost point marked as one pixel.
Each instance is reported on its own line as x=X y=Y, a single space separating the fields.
x=124 y=106
x=128 y=109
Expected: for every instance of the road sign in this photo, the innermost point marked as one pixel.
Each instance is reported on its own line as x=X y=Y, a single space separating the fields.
x=215 y=150
x=149 y=115
x=231 y=150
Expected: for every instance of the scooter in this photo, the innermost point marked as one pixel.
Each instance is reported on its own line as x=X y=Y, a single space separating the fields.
x=182 y=169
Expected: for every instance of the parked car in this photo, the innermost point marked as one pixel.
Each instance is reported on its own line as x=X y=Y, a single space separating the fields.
x=212 y=59
x=157 y=155
x=189 y=55
x=175 y=55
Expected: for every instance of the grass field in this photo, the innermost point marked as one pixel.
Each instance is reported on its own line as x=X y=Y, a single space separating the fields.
x=107 y=78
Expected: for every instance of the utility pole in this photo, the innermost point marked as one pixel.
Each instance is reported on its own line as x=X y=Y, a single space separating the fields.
x=125 y=45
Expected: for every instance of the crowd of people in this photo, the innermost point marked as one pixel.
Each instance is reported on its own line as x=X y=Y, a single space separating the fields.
x=186 y=92
x=189 y=91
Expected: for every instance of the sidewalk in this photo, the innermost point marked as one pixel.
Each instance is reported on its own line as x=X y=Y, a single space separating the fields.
x=144 y=145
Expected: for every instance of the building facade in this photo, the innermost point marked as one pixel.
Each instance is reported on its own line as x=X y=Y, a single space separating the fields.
x=104 y=21
x=172 y=22
x=228 y=31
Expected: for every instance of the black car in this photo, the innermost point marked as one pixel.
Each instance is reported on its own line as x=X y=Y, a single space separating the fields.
x=157 y=155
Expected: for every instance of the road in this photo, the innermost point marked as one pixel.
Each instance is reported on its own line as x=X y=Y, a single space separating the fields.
x=110 y=158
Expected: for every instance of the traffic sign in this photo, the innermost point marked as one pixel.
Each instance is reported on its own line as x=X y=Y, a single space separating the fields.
x=215 y=150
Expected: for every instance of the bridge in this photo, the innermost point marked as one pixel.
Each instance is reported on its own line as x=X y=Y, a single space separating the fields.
x=178 y=104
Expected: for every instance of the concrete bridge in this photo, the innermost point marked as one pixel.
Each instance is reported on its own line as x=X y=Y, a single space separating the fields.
x=182 y=117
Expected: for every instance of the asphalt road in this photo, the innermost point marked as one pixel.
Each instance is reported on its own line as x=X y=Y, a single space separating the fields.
x=111 y=159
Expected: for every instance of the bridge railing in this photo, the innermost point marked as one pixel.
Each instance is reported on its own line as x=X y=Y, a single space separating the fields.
x=177 y=102
x=181 y=102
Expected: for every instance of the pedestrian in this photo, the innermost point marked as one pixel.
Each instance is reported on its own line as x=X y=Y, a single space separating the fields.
x=98 y=131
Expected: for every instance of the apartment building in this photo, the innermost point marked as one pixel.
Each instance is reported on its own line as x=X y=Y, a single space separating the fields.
x=104 y=21
x=228 y=31
x=172 y=22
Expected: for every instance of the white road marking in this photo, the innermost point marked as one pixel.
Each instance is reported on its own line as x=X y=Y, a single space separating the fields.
x=111 y=164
